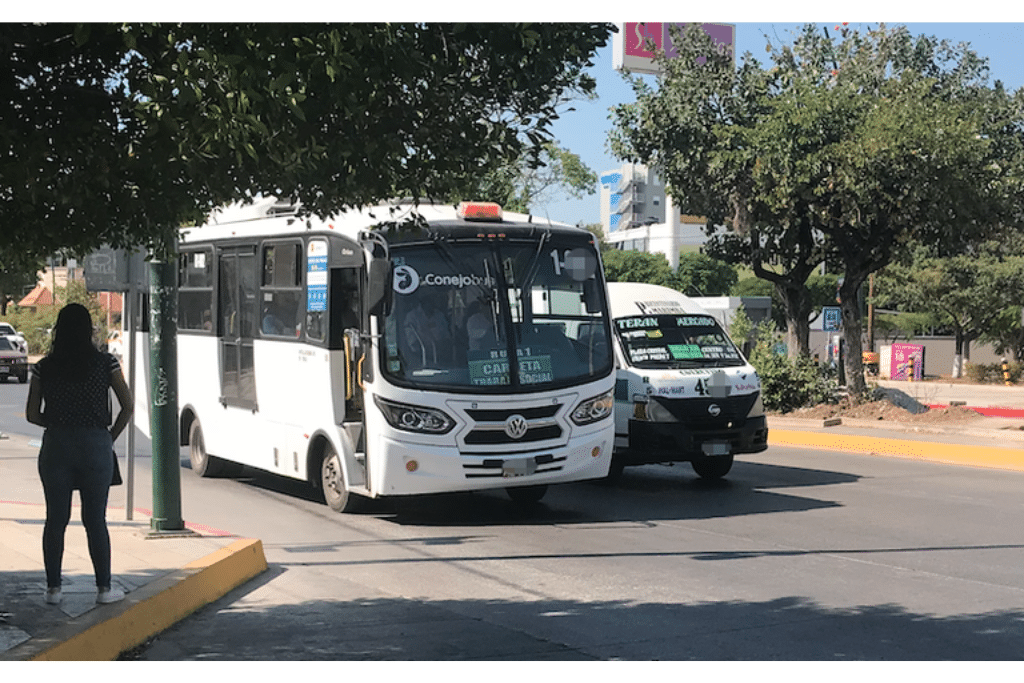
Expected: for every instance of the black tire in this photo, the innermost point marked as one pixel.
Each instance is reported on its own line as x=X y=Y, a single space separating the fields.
x=332 y=482
x=615 y=470
x=714 y=467
x=22 y=378
x=203 y=464
x=527 y=494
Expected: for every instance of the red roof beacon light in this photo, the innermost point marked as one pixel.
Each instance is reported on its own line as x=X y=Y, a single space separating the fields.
x=480 y=211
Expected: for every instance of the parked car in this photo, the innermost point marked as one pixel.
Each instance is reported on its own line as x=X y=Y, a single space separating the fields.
x=13 y=360
x=8 y=332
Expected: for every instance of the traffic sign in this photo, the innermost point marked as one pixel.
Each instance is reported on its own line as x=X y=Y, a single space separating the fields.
x=832 y=320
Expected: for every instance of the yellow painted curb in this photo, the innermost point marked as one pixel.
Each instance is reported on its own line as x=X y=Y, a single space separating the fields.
x=155 y=607
x=976 y=456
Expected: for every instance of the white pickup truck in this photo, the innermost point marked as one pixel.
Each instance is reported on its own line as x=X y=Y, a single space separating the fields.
x=7 y=331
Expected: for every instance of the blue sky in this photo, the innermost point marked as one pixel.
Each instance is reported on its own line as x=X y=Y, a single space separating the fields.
x=585 y=130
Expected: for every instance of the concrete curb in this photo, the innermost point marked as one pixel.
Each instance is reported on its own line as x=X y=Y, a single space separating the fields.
x=103 y=634
x=956 y=454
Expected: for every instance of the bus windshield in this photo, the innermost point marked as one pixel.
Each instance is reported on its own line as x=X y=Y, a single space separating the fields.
x=461 y=309
x=676 y=341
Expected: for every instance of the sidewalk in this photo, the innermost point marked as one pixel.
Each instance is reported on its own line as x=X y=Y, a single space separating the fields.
x=165 y=577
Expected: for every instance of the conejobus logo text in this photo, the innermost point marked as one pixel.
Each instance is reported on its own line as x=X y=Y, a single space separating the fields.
x=407 y=280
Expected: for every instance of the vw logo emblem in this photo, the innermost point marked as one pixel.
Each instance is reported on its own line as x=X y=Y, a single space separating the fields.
x=714 y=410
x=516 y=426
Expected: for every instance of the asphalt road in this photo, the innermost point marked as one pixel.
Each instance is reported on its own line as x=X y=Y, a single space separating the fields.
x=799 y=555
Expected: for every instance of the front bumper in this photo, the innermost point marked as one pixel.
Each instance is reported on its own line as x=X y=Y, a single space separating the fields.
x=651 y=442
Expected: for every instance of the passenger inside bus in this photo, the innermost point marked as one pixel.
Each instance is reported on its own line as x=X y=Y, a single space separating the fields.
x=426 y=339
x=480 y=327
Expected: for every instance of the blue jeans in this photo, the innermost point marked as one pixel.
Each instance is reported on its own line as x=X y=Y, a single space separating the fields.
x=76 y=458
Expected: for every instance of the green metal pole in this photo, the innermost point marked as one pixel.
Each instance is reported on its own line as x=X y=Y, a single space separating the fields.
x=163 y=391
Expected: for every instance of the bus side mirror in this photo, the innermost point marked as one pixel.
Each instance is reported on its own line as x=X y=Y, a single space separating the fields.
x=378 y=286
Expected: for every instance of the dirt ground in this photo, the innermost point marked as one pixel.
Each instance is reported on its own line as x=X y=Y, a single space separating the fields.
x=896 y=407
x=886 y=410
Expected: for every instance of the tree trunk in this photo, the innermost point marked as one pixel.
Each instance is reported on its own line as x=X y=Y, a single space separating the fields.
x=797 y=300
x=852 y=331
x=958 y=356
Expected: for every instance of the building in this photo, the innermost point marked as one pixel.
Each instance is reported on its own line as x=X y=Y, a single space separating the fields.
x=56 y=278
x=637 y=215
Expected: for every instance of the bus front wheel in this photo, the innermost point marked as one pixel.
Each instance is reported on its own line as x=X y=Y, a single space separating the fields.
x=714 y=467
x=332 y=481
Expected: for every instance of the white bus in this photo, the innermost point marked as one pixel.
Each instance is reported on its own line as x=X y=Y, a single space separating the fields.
x=369 y=353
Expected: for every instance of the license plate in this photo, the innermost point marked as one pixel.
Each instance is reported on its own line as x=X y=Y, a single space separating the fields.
x=716 y=448
x=518 y=468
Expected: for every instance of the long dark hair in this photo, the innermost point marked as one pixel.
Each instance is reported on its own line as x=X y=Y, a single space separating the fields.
x=73 y=352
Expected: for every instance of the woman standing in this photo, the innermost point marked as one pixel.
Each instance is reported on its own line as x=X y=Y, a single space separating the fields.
x=73 y=384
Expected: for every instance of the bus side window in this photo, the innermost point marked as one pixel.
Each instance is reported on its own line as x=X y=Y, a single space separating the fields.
x=282 y=295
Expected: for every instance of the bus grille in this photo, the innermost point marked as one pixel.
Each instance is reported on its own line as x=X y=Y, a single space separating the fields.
x=489 y=426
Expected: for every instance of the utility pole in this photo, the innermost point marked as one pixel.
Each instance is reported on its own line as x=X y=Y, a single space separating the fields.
x=163 y=392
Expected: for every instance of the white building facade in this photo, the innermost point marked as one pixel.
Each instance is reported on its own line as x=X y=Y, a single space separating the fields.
x=637 y=215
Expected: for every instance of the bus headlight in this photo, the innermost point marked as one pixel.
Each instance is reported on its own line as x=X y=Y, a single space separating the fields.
x=417 y=419
x=594 y=409
x=652 y=410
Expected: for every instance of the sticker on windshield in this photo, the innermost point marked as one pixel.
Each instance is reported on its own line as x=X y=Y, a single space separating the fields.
x=685 y=351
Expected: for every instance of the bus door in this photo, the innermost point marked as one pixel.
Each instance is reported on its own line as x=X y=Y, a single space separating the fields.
x=238 y=308
x=347 y=326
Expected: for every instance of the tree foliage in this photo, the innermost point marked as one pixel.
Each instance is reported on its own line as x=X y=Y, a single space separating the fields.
x=703 y=275
x=120 y=133
x=845 y=149
x=521 y=186
x=638 y=266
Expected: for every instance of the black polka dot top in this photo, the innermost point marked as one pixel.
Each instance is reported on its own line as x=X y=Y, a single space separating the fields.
x=67 y=403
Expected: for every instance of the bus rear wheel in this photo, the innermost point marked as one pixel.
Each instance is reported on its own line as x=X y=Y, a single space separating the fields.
x=527 y=494
x=203 y=464
x=712 y=467
x=332 y=481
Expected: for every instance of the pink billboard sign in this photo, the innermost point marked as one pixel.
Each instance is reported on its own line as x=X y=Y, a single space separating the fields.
x=722 y=34
x=637 y=43
x=900 y=363
x=639 y=37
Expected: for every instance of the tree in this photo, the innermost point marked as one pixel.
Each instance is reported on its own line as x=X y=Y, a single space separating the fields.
x=119 y=134
x=703 y=128
x=821 y=289
x=638 y=266
x=970 y=292
x=702 y=275
x=845 y=149
x=16 y=273
x=519 y=185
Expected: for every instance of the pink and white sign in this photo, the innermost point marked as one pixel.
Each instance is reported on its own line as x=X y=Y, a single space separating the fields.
x=635 y=45
x=900 y=363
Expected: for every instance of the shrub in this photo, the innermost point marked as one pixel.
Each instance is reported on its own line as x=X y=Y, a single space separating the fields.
x=992 y=373
x=785 y=384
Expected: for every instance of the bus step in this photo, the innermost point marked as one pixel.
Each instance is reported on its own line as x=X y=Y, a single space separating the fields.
x=355 y=433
